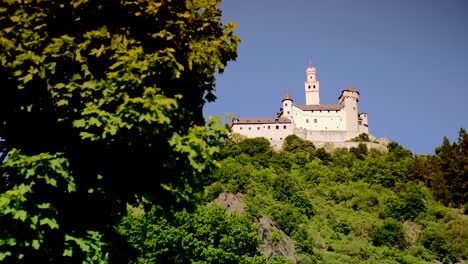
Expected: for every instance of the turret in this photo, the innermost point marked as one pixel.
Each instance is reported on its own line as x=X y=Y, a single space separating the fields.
x=363 y=123
x=312 y=86
x=287 y=105
x=350 y=98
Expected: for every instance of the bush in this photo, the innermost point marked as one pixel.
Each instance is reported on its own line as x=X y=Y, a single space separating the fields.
x=360 y=151
x=363 y=137
x=287 y=218
x=435 y=239
x=303 y=242
x=212 y=192
x=407 y=207
x=389 y=234
x=303 y=204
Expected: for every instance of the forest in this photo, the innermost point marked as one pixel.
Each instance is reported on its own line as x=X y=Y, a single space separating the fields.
x=343 y=206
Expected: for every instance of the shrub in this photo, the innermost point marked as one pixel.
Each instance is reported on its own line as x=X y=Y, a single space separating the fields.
x=303 y=242
x=360 y=151
x=363 y=137
x=303 y=204
x=435 y=239
x=212 y=191
x=407 y=207
x=287 y=218
x=389 y=234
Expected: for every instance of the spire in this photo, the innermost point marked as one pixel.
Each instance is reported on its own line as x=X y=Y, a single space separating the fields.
x=310 y=61
x=286 y=95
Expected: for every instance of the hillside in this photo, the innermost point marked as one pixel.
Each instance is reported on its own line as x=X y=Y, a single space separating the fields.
x=306 y=205
x=354 y=206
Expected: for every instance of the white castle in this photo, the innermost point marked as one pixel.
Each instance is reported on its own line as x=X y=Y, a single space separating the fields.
x=319 y=123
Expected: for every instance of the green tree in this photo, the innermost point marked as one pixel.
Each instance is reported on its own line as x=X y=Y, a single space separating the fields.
x=390 y=234
x=304 y=204
x=453 y=166
x=360 y=151
x=207 y=235
x=409 y=204
x=295 y=144
x=101 y=103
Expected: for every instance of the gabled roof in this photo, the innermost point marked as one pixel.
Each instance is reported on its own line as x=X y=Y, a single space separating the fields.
x=321 y=107
x=281 y=120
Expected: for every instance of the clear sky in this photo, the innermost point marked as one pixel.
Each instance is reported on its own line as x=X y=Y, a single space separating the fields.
x=407 y=58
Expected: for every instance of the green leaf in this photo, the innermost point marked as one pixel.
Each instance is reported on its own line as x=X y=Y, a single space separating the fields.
x=36 y=244
x=51 y=222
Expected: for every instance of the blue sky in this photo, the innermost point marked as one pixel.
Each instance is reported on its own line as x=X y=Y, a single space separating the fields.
x=408 y=59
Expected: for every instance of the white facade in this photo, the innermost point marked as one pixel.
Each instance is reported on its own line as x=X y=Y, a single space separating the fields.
x=312 y=121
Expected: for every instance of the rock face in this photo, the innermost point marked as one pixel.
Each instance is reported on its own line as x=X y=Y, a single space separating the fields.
x=230 y=202
x=273 y=241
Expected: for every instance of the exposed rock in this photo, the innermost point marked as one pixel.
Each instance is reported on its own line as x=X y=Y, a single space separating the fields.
x=273 y=241
x=230 y=202
x=383 y=141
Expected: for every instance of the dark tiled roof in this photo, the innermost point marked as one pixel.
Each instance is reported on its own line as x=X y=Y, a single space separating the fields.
x=350 y=89
x=261 y=120
x=322 y=107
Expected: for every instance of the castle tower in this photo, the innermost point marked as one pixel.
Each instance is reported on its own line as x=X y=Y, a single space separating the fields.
x=312 y=86
x=363 y=123
x=287 y=105
x=350 y=98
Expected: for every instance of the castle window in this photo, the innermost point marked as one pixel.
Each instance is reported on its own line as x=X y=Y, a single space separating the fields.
x=286 y=104
x=277 y=127
x=240 y=128
x=250 y=128
x=307 y=120
x=271 y=138
x=281 y=138
x=258 y=128
x=288 y=112
x=284 y=126
x=354 y=108
x=268 y=127
x=308 y=87
x=314 y=86
x=315 y=120
x=360 y=122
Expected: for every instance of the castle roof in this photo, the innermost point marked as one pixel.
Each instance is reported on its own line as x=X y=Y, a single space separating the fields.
x=321 y=107
x=281 y=120
x=286 y=96
x=350 y=89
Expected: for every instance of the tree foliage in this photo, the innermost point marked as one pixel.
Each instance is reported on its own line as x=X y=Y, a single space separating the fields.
x=453 y=165
x=352 y=206
x=207 y=235
x=101 y=103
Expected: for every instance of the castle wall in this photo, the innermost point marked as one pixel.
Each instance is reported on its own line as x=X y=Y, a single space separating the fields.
x=348 y=145
x=330 y=146
x=270 y=131
x=319 y=120
x=327 y=136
